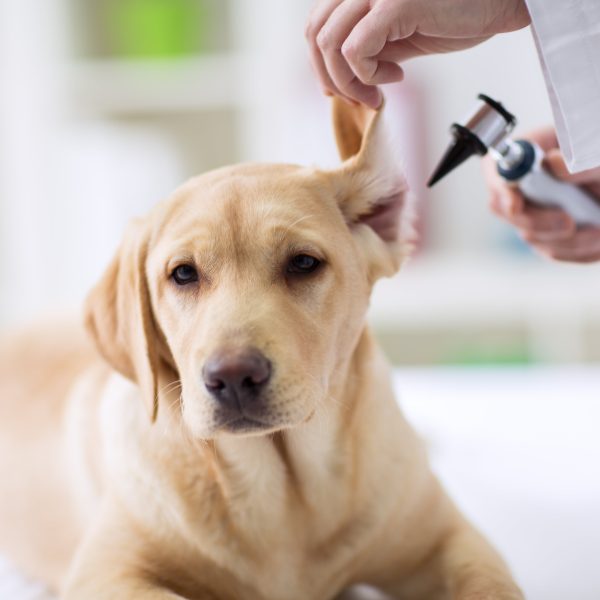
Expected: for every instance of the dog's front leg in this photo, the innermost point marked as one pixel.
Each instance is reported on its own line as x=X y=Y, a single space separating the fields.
x=100 y=577
x=462 y=566
x=473 y=570
x=125 y=589
x=117 y=561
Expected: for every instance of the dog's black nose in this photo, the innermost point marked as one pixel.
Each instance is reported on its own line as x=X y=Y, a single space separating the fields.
x=235 y=377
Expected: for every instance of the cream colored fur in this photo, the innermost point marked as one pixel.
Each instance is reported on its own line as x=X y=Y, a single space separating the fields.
x=119 y=482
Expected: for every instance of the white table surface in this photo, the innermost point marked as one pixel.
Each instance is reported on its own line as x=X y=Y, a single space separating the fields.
x=519 y=451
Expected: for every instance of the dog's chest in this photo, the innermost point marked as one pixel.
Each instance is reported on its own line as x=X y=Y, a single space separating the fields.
x=304 y=557
x=294 y=534
x=273 y=523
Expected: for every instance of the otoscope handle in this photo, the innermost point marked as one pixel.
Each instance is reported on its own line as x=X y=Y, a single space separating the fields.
x=542 y=188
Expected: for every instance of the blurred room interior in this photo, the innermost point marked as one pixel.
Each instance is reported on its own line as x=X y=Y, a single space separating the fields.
x=106 y=106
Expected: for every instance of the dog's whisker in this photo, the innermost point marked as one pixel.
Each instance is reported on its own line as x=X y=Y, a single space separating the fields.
x=171 y=384
x=169 y=387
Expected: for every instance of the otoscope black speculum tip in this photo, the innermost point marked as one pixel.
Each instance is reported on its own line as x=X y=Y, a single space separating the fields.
x=465 y=145
x=487 y=126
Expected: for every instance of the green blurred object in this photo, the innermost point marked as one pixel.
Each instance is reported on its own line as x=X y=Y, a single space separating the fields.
x=484 y=356
x=157 y=28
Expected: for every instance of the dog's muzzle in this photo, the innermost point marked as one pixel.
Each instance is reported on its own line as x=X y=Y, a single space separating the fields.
x=237 y=380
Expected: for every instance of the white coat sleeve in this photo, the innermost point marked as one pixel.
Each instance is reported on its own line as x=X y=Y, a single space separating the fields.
x=567 y=35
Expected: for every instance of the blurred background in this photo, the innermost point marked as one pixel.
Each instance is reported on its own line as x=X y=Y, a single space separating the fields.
x=106 y=106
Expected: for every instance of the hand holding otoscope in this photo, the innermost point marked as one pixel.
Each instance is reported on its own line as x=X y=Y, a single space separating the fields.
x=558 y=213
x=552 y=232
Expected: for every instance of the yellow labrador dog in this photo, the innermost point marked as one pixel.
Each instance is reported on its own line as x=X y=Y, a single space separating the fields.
x=247 y=444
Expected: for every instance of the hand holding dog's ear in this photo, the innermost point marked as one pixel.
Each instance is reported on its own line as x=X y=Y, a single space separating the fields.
x=356 y=45
x=373 y=190
x=118 y=315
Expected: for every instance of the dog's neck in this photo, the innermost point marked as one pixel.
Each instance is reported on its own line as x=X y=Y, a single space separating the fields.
x=312 y=467
x=313 y=489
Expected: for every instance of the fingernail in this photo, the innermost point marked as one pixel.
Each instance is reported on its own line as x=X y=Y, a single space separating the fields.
x=377 y=98
x=556 y=163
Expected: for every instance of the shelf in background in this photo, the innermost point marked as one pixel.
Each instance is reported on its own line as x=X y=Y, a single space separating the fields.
x=463 y=292
x=130 y=86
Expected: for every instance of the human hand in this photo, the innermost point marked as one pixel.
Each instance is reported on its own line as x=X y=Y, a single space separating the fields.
x=551 y=231
x=355 y=45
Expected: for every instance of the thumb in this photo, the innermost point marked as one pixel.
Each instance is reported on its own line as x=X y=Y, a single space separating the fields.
x=399 y=51
x=556 y=164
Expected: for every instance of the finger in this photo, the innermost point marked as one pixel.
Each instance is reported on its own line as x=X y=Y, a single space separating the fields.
x=544 y=137
x=398 y=51
x=320 y=68
x=584 y=247
x=508 y=203
x=544 y=224
x=366 y=40
x=318 y=17
x=371 y=70
x=330 y=40
x=534 y=224
x=348 y=83
x=556 y=163
x=340 y=23
x=418 y=44
x=385 y=72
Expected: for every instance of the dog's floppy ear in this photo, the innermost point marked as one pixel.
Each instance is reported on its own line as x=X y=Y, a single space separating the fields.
x=118 y=315
x=349 y=126
x=371 y=189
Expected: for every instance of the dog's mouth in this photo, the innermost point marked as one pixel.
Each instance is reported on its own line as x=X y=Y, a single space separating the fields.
x=259 y=417
x=245 y=425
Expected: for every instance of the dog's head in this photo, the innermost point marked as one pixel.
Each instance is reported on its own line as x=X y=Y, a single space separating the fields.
x=251 y=283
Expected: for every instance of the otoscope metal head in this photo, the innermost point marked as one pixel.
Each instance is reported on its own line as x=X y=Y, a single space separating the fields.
x=487 y=126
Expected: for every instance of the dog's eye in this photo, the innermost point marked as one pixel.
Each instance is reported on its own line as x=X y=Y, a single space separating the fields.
x=184 y=274
x=303 y=263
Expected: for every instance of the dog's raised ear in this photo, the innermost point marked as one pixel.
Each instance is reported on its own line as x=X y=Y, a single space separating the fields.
x=371 y=189
x=118 y=315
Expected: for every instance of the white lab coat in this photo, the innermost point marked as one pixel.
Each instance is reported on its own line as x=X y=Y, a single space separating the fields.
x=567 y=35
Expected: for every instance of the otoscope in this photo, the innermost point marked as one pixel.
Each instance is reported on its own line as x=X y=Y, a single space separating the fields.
x=519 y=162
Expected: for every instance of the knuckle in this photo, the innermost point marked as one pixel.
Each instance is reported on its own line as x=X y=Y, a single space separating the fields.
x=350 y=51
x=362 y=71
x=325 y=40
x=366 y=78
x=310 y=31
